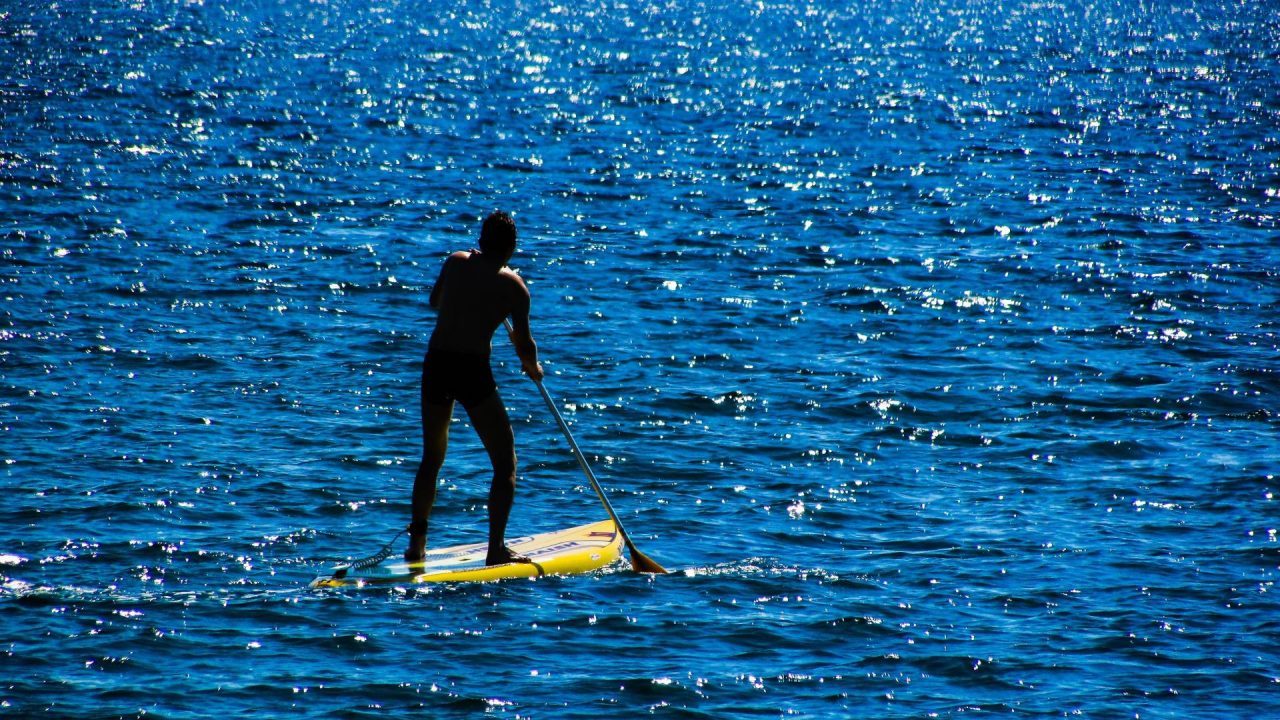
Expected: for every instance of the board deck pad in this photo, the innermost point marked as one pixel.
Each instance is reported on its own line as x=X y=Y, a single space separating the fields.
x=563 y=552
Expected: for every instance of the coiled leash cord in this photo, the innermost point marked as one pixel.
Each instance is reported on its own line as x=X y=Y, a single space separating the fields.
x=370 y=561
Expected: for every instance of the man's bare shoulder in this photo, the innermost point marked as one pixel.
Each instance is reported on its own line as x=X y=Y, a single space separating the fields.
x=514 y=277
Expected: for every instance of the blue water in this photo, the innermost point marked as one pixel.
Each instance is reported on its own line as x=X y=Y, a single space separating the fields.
x=934 y=346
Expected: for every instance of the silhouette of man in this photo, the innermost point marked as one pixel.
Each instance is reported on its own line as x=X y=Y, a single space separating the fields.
x=473 y=295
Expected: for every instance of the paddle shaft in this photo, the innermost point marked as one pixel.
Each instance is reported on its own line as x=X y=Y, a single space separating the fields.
x=577 y=453
x=640 y=561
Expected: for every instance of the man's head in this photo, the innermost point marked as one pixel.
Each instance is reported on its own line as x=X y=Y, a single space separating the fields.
x=498 y=234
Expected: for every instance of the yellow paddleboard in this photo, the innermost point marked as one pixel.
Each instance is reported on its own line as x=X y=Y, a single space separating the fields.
x=563 y=552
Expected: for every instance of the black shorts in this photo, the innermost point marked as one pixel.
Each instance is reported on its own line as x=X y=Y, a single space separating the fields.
x=448 y=376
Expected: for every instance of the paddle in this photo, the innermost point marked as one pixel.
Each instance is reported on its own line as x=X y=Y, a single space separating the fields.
x=639 y=561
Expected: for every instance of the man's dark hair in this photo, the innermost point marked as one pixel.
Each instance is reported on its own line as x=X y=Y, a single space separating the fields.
x=498 y=234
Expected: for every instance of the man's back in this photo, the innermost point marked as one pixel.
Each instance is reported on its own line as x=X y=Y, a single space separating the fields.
x=475 y=292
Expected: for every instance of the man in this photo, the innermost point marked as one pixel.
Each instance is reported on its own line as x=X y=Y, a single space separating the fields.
x=473 y=295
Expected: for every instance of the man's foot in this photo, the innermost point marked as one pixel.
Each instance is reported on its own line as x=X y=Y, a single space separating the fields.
x=505 y=555
x=417 y=541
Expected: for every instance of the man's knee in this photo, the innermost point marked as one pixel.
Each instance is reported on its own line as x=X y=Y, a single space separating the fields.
x=432 y=460
x=505 y=469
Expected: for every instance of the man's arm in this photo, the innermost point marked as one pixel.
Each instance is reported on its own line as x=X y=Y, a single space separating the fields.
x=521 y=336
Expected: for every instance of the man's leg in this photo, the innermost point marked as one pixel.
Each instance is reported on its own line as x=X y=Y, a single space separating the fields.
x=435 y=441
x=489 y=417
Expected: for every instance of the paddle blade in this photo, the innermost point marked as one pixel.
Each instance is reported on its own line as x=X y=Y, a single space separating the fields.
x=642 y=563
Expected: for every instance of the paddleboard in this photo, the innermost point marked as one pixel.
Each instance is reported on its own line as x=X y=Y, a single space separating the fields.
x=563 y=552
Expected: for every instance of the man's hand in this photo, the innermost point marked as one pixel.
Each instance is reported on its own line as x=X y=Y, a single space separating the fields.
x=535 y=373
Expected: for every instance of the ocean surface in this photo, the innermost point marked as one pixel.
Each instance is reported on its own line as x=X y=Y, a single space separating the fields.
x=933 y=346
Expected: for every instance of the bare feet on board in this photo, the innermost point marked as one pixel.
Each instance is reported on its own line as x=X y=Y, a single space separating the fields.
x=417 y=550
x=504 y=555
